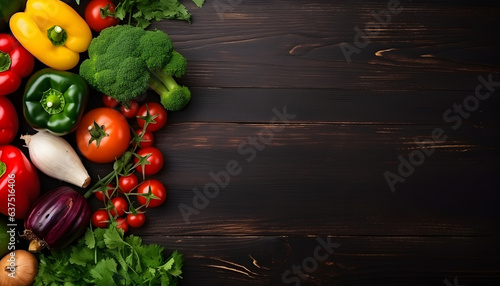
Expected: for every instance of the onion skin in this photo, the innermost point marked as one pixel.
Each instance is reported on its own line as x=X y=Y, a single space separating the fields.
x=18 y=268
x=57 y=219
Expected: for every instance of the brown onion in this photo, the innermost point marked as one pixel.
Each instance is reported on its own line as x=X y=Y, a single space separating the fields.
x=18 y=268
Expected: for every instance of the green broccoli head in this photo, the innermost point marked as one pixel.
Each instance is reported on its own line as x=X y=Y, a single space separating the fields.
x=177 y=65
x=176 y=99
x=121 y=58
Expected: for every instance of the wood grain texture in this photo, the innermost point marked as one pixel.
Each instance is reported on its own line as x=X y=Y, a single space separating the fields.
x=322 y=175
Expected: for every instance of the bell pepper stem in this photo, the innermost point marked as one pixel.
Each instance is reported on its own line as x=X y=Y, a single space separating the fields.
x=53 y=101
x=5 y=61
x=57 y=35
x=3 y=168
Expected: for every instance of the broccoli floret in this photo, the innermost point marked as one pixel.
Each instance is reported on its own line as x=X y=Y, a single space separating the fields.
x=125 y=60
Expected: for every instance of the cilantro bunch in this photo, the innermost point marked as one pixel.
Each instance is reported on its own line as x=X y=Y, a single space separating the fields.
x=105 y=257
x=142 y=13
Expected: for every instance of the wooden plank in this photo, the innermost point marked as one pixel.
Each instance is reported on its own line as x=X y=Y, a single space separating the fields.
x=356 y=261
x=424 y=47
x=338 y=106
x=328 y=179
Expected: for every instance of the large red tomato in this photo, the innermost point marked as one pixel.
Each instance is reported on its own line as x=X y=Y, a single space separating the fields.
x=108 y=133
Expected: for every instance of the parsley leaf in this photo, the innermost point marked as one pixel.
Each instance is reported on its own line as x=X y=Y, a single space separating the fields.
x=106 y=257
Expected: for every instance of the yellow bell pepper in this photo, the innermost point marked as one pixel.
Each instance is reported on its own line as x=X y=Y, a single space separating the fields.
x=53 y=32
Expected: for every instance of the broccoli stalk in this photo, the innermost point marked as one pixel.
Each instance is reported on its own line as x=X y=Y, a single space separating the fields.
x=125 y=61
x=172 y=95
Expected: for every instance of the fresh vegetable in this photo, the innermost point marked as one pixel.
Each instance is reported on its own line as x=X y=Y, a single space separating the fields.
x=54 y=101
x=143 y=12
x=127 y=183
x=103 y=135
x=57 y=219
x=7 y=9
x=4 y=235
x=136 y=220
x=154 y=159
x=15 y=63
x=108 y=101
x=18 y=268
x=121 y=223
x=99 y=14
x=9 y=124
x=146 y=138
x=19 y=183
x=124 y=61
x=53 y=32
x=156 y=111
x=155 y=192
x=120 y=206
x=55 y=157
x=100 y=218
x=104 y=193
x=130 y=109
x=106 y=257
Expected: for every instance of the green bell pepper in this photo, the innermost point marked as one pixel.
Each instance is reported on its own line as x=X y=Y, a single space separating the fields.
x=54 y=101
x=7 y=9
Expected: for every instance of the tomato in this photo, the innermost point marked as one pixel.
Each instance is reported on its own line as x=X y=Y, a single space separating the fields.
x=19 y=182
x=100 y=218
x=155 y=109
x=120 y=206
x=155 y=160
x=108 y=101
x=131 y=111
x=127 y=183
x=93 y=15
x=136 y=220
x=147 y=139
x=115 y=138
x=121 y=223
x=9 y=124
x=157 y=189
x=100 y=194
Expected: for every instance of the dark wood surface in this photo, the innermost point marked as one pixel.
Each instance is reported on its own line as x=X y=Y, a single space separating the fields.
x=321 y=175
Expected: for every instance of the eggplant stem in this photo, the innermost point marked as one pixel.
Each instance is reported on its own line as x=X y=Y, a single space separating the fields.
x=36 y=246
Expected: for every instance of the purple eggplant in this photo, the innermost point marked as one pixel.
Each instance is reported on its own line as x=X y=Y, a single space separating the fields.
x=57 y=219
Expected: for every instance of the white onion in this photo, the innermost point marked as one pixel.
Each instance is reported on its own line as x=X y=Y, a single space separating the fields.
x=55 y=157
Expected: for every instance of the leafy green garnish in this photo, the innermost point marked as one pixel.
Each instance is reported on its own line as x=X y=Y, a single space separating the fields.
x=106 y=257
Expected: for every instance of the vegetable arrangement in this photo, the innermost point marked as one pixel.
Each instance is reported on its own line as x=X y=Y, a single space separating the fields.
x=124 y=60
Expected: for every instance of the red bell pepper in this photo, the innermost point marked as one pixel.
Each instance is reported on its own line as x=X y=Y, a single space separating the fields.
x=19 y=182
x=9 y=123
x=15 y=63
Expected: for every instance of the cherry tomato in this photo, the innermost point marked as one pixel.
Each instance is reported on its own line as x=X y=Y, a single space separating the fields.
x=93 y=15
x=127 y=183
x=155 y=160
x=116 y=135
x=9 y=124
x=157 y=189
x=110 y=102
x=147 y=138
x=121 y=223
x=136 y=220
x=132 y=110
x=154 y=109
x=100 y=194
x=100 y=218
x=120 y=206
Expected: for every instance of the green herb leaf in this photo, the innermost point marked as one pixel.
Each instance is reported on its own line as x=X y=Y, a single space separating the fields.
x=199 y=3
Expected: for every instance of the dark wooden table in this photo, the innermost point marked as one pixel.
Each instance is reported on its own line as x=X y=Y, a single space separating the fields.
x=334 y=143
